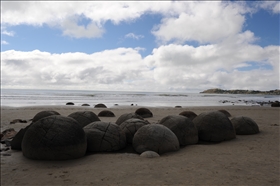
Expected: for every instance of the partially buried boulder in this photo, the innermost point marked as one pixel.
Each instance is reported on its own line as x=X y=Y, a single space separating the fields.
x=189 y=114
x=44 y=113
x=182 y=127
x=244 y=125
x=100 y=105
x=104 y=136
x=130 y=127
x=54 y=138
x=127 y=116
x=155 y=137
x=144 y=113
x=149 y=154
x=225 y=112
x=214 y=127
x=84 y=117
x=106 y=113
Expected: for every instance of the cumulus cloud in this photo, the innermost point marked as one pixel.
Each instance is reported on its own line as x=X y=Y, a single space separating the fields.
x=273 y=6
x=133 y=36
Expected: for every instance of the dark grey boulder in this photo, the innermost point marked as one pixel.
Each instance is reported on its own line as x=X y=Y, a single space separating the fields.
x=44 y=113
x=144 y=113
x=54 y=138
x=85 y=105
x=225 y=112
x=70 y=103
x=149 y=154
x=84 y=117
x=182 y=127
x=130 y=127
x=244 y=125
x=189 y=114
x=16 y=142
x=106 y=113
x=100 y=105
x=214 y=127
x=155 y=137
x=127 y=116
x=104 y=136
x=275 y=104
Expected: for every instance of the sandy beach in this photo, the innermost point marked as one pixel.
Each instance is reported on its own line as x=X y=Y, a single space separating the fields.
x=247 y=160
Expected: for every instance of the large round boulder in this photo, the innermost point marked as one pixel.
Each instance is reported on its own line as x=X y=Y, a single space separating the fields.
x=84 y=117
x=104 y=136
x=127 y=116
x=214 y=127
x=189 y=114
x=54 y=138
x=44 y=113
x=155 y=137
x=225 y=112
x=144 y=113
x=100 y=105
x=182 y=127
x=244 y=125
x=106 y=113
x=130 y=127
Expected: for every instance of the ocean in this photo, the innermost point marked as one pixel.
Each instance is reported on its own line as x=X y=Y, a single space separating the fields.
x=30 y=97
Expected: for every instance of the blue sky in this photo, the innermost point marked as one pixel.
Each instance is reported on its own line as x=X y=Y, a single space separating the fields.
x=178 y=46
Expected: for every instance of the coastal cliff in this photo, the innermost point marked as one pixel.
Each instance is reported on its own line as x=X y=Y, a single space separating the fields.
x=237 y=91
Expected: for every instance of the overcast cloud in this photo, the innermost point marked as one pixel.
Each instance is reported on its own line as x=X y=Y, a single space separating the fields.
x=224 y=48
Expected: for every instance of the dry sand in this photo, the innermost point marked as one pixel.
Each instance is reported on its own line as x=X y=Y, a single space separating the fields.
x=246 y=160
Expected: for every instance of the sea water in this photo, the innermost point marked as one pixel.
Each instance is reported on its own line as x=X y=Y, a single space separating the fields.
x=30 y=97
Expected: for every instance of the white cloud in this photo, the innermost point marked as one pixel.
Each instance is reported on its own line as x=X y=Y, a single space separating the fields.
x=133 y=36
x=4 y=43
x=202 y=23
x=5 y=32
x=273 y=6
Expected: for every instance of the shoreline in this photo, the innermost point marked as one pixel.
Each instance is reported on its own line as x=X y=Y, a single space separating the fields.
x=246 y=160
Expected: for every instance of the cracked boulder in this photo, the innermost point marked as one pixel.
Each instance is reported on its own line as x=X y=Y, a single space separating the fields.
x=155 y=137
x=189 y=114
x=182 y=127
x=44 y=113
x=106 y=113
x=244 y=125
x=104 y=137
x=84 y=117
x=214 y=127
x=127 y=116
x=130 y=127
x=54 y=138
x=144 y=113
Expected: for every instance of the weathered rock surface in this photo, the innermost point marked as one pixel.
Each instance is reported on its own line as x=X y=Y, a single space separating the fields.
x=214 y=127
x=127 y=116
x=104 y=136
x=130 y=127
x=182 y=127
x=244 y=125
x=144 y=113
x=84 y=117
x=155 y=137
x=54 y=138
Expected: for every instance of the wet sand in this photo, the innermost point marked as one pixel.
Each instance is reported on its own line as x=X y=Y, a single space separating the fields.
x=246 y=160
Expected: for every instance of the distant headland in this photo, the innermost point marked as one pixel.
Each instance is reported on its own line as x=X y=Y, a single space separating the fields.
x=237 y=91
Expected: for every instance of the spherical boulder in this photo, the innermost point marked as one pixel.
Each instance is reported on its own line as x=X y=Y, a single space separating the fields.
x=144 y=113
x=155 y=137
x=149 y=154
x=127 y=116
x=70 y=103
x=225 y=112
x=244 y=125
x=16 y=142
x=130 y=127
x=44 y=113
x=214 y=127
x=54 y=138
x=189 y=114
x=106 y=113
x=84 y=117
x=104 y=136
x=182 y=127
x=85 y=105
x=100 y=105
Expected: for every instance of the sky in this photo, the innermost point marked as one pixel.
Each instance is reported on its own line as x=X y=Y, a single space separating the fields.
x=181 y=46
